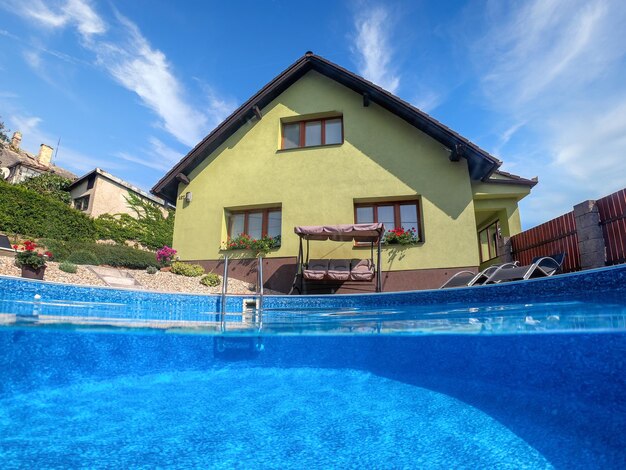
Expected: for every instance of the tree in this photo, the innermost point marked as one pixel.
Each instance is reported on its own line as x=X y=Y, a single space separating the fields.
x=4 y=137
x=49 y=184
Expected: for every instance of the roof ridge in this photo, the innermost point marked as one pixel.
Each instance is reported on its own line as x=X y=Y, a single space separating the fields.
x=481 y=163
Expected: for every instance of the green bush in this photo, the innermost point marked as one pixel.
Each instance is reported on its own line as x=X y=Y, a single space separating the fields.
x=190 y=270
x=151 y=270
x=25 y=212
x=119 y=256
x=210 y=280
x=83 y=257
x=149 y=226
x=53 y=186
x=68 y=267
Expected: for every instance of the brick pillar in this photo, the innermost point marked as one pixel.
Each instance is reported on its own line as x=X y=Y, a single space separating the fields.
x=590 y=239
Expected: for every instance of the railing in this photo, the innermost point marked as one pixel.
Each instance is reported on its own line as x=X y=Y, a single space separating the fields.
x=612 y=209
x=555 y=236
x=224 y=291
x=260 y=292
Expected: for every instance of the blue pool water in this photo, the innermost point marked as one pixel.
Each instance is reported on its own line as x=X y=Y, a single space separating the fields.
x=468 y=384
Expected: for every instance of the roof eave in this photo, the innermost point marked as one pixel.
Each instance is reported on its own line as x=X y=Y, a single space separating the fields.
x=481 y=164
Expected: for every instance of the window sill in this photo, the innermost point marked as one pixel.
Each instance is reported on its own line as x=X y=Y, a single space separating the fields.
x=389 y=245
x=309 y=148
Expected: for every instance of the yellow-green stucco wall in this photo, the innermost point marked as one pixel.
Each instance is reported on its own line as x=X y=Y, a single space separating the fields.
x=382 y=157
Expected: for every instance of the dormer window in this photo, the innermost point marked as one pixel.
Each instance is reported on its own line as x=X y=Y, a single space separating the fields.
x=312 y=133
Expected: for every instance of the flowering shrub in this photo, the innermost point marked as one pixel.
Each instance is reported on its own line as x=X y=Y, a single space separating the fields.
x=165 y=255
x=244 y=242
x=28 y=256
x=399 y=236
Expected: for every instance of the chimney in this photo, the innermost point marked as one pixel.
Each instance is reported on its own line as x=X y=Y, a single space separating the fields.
x=45 y=154
x=16 y=140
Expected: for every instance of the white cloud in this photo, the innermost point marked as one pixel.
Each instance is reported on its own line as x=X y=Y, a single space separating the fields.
x=33 y=59
x=129 y=58
x=27 y=125
x=78 y=13
x=147 y=162
x=557 y=67
x=373 y=48
x=427 y=100
x=67 y=157
x=159 y=156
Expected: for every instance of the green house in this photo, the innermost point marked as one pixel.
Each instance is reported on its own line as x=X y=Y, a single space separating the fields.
x=319 y=145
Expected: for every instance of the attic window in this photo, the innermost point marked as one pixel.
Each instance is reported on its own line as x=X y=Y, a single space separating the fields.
x=312 y=133
x=81 y=203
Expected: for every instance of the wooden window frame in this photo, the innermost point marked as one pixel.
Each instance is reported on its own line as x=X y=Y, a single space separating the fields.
x=302 y=142
x=397 y=219
x=247 y=212
x=480 y=248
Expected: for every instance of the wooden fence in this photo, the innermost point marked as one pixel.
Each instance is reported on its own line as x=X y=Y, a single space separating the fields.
x=561 y=235
x=552 y=237
x=612 y=209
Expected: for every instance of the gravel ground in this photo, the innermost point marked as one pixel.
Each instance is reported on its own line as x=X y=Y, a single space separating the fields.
x=161 y=281
x=53 y=273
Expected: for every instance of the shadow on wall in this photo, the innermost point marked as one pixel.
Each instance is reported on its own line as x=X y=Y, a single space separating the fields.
x=396 y=146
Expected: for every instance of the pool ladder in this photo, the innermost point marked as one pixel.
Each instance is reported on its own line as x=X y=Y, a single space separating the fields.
x=259 y=293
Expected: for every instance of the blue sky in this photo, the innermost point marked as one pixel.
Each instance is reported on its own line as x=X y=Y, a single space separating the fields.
x=131 y=86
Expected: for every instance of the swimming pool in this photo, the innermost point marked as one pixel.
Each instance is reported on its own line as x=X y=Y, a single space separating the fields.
x=490 y=378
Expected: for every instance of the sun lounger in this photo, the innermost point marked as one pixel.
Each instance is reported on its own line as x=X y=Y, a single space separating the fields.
x=361 y=270
x=316 y=270
x=540 y=267
x=470 y=278
x=5 y=243
x=338 y=270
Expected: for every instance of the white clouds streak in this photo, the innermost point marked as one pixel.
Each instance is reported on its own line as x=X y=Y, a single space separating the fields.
x=78 y=13
x=137 y=66
x=373 y=48
x=33 y=136
x=557 y=67
x=124 y=53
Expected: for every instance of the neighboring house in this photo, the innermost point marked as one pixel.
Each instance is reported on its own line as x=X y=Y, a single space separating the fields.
x=16 y=165
x=99 y=192
x=319 y=145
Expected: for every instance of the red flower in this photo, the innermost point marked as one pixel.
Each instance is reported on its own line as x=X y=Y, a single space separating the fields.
x=15 y=247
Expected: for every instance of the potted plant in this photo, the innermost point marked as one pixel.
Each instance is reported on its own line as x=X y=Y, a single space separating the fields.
x=33 y=263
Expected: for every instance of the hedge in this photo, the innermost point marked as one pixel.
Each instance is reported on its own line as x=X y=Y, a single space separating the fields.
x=119 y=256
x=30 y=214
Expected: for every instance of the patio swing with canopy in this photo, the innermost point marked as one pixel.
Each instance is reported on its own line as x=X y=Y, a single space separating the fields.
x=338 y=270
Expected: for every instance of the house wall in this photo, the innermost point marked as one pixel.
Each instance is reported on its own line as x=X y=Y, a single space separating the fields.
x=81 y=190
x=106 y=197
x=382 y=157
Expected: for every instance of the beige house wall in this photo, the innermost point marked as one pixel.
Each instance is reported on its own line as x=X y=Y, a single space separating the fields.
x=106 y=197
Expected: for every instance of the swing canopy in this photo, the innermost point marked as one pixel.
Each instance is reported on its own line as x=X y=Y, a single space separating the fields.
x=342 y=233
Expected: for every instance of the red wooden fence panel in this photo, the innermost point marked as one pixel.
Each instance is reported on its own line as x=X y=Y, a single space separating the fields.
x=612 y=210
x=555 y=236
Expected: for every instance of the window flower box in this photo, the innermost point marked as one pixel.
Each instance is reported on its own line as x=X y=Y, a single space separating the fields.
x=245 y=242
x=399 y=236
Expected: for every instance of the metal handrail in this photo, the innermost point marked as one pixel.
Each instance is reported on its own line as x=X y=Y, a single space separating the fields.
x=260 y=282
x=224 y=291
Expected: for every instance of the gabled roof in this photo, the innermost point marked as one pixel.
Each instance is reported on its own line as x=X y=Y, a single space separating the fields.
x=121 y=182
x=481 y=163
x=10 y=158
